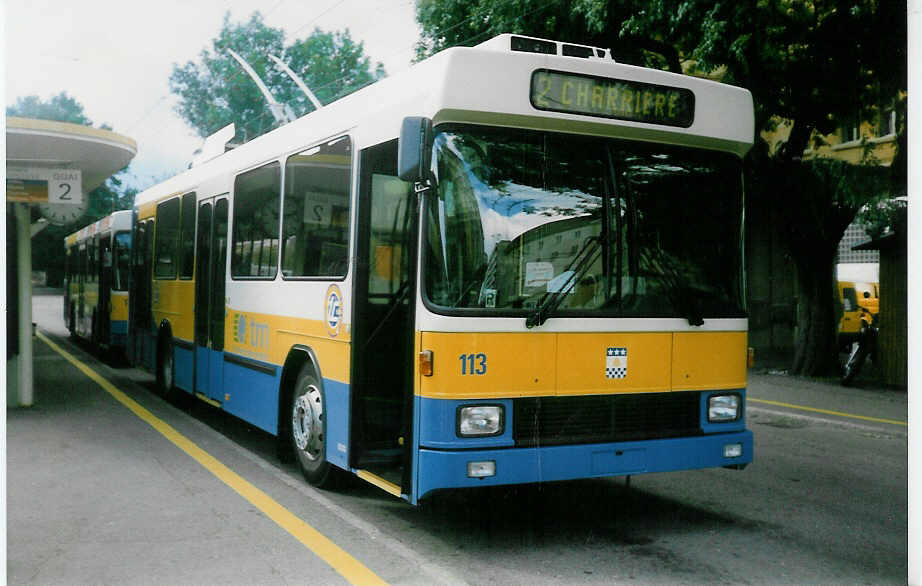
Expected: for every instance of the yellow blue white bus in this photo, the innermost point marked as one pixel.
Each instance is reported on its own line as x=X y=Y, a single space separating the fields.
x=512 y=263
x=96 y=282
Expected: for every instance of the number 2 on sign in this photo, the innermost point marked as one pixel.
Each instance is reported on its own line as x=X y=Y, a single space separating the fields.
x=473 y=364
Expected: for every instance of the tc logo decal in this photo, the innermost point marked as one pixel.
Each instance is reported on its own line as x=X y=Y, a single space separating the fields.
x=333 y=310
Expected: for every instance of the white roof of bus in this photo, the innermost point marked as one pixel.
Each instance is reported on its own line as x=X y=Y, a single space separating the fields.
x=115 y=222
x=484 y=85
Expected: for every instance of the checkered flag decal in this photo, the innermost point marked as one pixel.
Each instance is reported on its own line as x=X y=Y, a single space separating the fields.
x=616 y=363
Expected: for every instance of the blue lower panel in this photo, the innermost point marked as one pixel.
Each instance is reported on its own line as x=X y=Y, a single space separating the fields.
x=118 y=333
x=443 y=469
x=252 y=395
x=183 y=370
x=336 y=396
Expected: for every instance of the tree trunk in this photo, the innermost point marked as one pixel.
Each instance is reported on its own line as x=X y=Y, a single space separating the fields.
x=813 y=217
x=815 y=347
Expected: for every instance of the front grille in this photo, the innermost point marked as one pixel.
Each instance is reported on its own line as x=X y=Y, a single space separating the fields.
x=605 y=418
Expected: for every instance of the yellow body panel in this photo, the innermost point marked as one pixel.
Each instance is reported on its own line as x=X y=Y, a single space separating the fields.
x=90 y=298
x=119 y=303
x=269 y=338
x=173 y=300
x=708 y=360
x=147 y=210
x=548 y=364
x=515 y=365
x=581 y=363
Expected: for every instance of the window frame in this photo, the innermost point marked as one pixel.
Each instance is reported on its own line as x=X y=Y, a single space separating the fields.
x=482 y=312
x=156 y=243
x=186 y=239
x=350 y=196
x=232 y=221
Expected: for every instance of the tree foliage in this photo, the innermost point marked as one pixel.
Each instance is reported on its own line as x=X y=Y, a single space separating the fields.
x=215 y=91
x=449 y=23
x=810 y=64
x=62 y=108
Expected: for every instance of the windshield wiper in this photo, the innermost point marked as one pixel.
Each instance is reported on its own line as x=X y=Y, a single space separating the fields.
x=679 y=294
x=578 y=267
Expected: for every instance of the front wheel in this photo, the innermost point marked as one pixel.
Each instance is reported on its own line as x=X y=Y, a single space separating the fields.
x=307 y=430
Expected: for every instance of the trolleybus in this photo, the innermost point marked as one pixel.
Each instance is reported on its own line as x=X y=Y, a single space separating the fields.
x=96 y=282
x=512 y=263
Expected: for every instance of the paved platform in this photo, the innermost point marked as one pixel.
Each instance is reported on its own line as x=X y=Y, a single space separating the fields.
x=98 y=496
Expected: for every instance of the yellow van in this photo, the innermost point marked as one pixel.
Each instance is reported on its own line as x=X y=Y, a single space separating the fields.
x=854 y=296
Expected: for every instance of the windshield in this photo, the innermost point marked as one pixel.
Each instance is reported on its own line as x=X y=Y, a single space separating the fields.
x=524 y=220
x=121 y=254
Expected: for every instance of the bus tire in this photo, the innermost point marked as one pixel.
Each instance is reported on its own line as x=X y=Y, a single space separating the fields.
x=306 y=429
x=165 y=367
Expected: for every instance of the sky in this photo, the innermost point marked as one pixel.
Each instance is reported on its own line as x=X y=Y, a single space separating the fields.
x=115 y=57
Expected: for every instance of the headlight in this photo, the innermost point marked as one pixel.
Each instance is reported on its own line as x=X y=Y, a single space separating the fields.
x=723 y=408
x=480 y=420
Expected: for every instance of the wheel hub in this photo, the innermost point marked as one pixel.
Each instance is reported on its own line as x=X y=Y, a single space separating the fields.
x=307 y=423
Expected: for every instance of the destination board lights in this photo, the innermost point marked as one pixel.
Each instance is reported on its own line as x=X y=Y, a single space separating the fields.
x=557 y=91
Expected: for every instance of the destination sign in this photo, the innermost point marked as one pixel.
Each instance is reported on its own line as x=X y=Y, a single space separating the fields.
x=612 y=98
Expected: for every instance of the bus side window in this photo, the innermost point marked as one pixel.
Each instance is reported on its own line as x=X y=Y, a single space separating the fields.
x=187 y=236
x=166 y=239
x=120 y=256
x=390 y=221
x=315 y=241
x=255 y=236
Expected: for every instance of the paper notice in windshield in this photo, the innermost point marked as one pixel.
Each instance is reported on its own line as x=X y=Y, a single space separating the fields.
x=562 y=281
x=538 y=274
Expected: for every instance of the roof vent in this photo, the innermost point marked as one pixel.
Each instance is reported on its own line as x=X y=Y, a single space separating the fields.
x=577 y=51
x=215 y=145
x=523 y=44
x=528 y=45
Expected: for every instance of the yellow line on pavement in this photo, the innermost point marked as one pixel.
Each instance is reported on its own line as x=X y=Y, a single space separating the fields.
x=350 y=568
x=827 y=411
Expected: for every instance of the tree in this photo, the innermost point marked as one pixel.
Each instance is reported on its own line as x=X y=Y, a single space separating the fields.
x=62 y=108
x=809 y=63
x=112 y=195
x=215 y=91
x=449 y=23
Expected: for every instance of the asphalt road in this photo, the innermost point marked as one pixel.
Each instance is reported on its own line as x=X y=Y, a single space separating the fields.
x=825 y=502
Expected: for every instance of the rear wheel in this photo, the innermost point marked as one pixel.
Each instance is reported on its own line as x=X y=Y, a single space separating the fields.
x=165 y=366
x=307 y=430
x=72 y=323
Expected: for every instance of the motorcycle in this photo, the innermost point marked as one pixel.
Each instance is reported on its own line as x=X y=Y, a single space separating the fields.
x=865 y=346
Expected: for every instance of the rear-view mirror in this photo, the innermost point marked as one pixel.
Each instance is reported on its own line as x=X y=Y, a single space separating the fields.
x=414 y=150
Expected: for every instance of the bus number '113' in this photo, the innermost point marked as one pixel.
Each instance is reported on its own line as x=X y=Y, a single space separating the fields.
x=473 y=363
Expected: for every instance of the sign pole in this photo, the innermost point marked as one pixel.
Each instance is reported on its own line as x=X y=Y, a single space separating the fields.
x=24 y=266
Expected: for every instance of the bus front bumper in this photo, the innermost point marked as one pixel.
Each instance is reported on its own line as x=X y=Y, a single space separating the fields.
x=440 y=469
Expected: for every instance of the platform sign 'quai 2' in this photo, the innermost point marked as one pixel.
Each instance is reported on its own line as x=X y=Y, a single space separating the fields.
x=43 y=185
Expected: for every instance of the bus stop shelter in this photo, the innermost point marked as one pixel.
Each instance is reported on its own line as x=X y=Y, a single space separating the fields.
x=51 y=167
